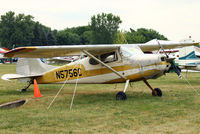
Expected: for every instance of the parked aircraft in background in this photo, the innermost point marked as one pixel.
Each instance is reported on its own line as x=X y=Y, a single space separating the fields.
x=2 y=51
x=189 y=58
x=186 y=57
x=65 y=59
x=104 y=64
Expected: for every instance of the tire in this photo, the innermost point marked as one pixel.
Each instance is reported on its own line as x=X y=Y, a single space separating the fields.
x=121 y=96
x=23 y=90
x=158 y=92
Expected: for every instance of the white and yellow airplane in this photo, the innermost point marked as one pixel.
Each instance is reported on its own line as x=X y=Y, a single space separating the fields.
x=101 y=64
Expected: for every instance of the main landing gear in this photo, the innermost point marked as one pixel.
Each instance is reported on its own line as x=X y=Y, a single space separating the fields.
x=155 y=91
x=25 y=89
x=122 y=95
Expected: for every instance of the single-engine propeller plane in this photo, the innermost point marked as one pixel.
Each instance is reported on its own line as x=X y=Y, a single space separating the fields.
x=114 y=63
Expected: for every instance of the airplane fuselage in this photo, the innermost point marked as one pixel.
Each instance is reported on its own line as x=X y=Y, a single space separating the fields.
x=135 y=68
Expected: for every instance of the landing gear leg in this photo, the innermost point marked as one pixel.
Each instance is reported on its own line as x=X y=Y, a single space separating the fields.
x=115 y=86
x=122 y=95
x=155 y=91
x=25 y=89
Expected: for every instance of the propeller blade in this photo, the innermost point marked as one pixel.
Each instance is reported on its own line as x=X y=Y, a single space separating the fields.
x=170 y=60
x=176 y=69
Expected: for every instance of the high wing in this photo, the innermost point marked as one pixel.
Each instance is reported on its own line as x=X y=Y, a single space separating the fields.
x=56 y=51
x=66 y=50
x=153 y=45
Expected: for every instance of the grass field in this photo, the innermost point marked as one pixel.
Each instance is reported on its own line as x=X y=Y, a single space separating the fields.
x=95 y=109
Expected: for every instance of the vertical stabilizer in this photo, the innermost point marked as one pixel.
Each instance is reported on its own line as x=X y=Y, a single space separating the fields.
x=189 y=53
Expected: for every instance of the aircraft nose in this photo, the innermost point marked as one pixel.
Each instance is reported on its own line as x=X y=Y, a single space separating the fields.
x=166 y=61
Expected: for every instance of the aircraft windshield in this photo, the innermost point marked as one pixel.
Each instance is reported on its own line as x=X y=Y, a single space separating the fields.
x=128 y=51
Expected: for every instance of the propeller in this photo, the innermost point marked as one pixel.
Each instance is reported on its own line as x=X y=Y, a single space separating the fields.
x=171 y=61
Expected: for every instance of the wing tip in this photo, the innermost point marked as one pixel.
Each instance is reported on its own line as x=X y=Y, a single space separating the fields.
x=5 y=77
x=19 y=50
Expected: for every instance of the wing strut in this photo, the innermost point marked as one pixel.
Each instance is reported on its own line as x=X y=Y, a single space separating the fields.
x=114 y=71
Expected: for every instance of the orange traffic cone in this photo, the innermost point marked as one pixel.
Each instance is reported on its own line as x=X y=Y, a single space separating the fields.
x=36 y=90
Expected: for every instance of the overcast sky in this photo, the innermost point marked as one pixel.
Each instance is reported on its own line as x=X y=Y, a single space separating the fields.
x=176 y=19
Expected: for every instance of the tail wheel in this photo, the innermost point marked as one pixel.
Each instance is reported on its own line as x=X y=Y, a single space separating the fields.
x=157 y=92
x=121 y=96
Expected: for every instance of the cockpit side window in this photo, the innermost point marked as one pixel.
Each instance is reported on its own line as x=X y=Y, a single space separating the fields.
x=109 y=57
x=93 y=61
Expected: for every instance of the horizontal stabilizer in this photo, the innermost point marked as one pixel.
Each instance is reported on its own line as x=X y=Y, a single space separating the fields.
x=18 y=76
x=190 y=65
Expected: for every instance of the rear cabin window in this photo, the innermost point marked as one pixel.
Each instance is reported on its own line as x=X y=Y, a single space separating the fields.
x=106 y=58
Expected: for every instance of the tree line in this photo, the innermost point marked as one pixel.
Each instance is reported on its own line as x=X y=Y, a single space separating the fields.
x=21 y=30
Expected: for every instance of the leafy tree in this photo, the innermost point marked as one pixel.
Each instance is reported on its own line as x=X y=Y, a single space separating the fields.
x=84 y=33
x=86 y=37
x=65 y=37
x=120 y=38
x=22 y=30
x=104 y=28
x=51 y=39
x=79 y=30
x=44 y=33
x=16 y=30
x=47 y=36
x=143 y=35
x=37 y=32
x=7 y=27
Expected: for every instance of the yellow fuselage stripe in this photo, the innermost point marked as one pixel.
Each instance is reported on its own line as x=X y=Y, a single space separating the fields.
x=71 y=72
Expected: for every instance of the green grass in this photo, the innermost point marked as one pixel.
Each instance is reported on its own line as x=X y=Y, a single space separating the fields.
x=95 y=109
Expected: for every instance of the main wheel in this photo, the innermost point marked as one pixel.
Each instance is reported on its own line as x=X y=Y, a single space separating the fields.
x=23 y=90
x=121 y=96
x=157 y=92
